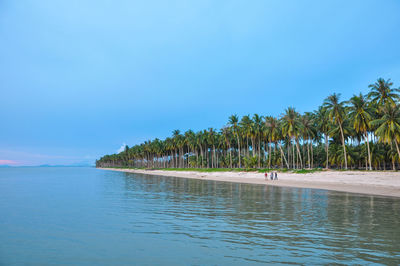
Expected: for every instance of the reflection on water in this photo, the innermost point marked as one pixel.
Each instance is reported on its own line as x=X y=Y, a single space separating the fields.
x=275 y=224
x=91 y=216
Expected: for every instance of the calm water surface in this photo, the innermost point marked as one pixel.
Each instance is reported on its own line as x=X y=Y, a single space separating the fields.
x=87 y=216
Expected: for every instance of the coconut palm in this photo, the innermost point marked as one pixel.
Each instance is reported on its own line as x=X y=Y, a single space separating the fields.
x=336 y=112
x=272 y=132
x=247 y=129
x=382 y=93
x=388 y=126
x=226 y=132
x=324 y=126
x=258 y=128
x=361 y=116
x=291 y=127
x=308 y=133
x=233 y=121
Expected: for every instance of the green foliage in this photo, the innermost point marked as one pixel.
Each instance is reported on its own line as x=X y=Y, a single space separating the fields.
x=361 y=133
x=307 y=171
x=250 y=162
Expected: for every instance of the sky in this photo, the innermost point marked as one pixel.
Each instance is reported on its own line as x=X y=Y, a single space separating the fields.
x=79 y=79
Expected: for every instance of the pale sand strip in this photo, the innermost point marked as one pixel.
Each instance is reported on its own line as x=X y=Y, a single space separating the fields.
x=374 y=183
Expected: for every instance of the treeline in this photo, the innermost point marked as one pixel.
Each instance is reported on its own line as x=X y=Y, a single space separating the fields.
x=361 y=133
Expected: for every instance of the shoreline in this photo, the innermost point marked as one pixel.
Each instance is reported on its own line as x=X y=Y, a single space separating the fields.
x=370 y=183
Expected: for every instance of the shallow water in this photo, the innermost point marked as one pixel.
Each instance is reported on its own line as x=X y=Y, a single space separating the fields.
x=87 y=216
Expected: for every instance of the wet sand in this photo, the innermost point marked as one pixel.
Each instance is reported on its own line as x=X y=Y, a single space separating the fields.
x=373 y=183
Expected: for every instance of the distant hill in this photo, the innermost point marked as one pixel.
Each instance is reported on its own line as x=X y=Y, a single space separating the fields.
x=48 y=165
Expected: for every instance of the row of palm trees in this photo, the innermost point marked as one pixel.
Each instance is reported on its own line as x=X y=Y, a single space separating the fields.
x=361 y=133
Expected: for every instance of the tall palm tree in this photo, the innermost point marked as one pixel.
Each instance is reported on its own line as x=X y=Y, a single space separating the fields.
x=175 y=140
x=274 y=133
x=258 y=126
x=336 y=114
x=233 y=121
x=211 y=140
x=226 y=136
x=388 y=126
x=190 y=142
x=361 y=116
x=307 y=131
x=324 y=126
x=246 y=125
x=291 y=127
x=382 y=93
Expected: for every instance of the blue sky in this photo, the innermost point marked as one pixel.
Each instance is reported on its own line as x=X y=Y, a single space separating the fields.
x=80 y=78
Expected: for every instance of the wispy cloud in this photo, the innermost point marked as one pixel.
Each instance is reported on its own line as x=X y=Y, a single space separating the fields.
x=122 y=148
x=8 y=162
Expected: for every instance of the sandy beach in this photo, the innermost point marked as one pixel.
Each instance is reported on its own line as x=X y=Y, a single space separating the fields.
x=373 y=183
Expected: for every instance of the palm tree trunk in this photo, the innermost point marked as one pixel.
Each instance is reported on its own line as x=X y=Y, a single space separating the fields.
x=369 y=152
x=269 y=155
x=294 y=162
x=252 y=147
x=298 y=152
x=247 y=147
x=344 y=147
x=312 y=154
x=259 y=152
x=308 y=153
x=327 y=151
x=207 y=157
x=265 y=150
x=215 y=163
x=397 y=147
x=240 y=164
x=283 y=154
x=212 y=158
x=230 y=155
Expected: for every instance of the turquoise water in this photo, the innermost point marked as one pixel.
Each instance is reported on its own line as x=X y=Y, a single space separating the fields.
x=87 y=216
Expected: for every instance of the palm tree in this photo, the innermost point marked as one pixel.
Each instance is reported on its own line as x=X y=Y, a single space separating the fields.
x=233 y=121
x=291 y=127
x=382 y=93
x=246 y=125
x=361 y=116
x=307 y=131
x=258 y=126
x=190 y=142
x=211 y=140
x=274 y=133
x=324 y=126
x=336 y=114
x=226 y=136
x=176 y=141
x=199 y=142
x=388 y=126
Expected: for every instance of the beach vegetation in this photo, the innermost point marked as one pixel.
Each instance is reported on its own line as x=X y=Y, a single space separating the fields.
x=361 y=133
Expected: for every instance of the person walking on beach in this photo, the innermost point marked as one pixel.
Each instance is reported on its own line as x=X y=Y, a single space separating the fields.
x=276 y=175
x=266 y=176
x=272 y=175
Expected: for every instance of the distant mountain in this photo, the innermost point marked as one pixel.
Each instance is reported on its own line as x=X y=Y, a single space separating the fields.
x=81 y=164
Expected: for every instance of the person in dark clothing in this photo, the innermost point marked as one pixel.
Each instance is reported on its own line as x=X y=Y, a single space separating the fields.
x=276 y=175
x=272 y=175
